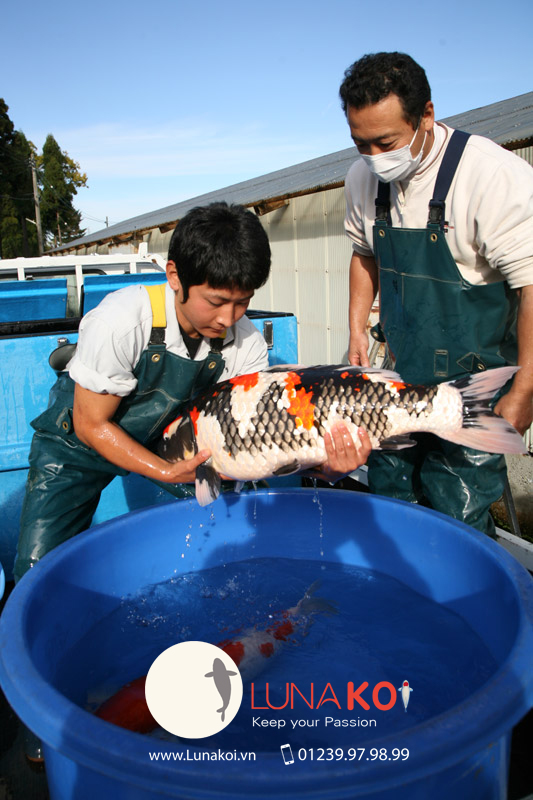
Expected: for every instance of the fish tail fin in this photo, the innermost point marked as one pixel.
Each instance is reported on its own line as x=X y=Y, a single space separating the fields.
x=179 y=440
x=207 y=484
x=482 y=428
x=309 y=604
x=223 y=711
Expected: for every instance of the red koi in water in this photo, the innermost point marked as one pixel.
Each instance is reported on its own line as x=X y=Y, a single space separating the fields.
x=250 y=651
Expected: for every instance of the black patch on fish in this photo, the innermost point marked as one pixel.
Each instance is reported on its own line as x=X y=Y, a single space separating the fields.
x=288 y=469
x=182 y=443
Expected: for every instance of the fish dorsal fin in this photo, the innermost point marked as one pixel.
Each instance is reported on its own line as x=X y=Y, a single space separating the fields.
x=382 y=374
x=284 y=367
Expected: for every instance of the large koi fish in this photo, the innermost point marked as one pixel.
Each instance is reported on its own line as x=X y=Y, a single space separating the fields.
x=273 y=423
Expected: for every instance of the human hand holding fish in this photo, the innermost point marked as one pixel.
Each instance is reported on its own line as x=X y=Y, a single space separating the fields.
x=184 y=471
x=517 y=409
x=345 y=454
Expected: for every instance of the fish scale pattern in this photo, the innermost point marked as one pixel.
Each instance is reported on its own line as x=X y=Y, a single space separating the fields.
x=356 y=399
x=365 y=403
x=270 y=425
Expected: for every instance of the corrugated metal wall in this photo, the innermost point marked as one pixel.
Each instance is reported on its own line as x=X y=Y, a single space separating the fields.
x=526 y=153
x=310 y=260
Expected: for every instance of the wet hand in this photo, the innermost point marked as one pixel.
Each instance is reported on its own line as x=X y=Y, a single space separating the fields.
x=184 y=471
x=344 y=454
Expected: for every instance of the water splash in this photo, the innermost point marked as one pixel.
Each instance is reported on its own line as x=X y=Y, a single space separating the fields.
x=316 y=499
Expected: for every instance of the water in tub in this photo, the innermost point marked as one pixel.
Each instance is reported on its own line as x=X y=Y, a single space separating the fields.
x=383 y=632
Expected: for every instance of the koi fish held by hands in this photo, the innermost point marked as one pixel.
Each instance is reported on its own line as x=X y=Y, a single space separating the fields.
x=273 y=423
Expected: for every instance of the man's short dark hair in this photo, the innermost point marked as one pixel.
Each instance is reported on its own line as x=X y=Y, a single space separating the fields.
x=374 y=76
x=222 y=245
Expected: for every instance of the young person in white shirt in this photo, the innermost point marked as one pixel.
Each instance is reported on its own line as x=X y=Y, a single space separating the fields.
x=141 y=354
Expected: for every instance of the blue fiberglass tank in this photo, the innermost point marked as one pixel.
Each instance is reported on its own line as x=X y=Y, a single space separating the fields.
x=53 y=653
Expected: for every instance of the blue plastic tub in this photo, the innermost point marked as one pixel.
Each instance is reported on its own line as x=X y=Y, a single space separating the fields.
x=460 y=753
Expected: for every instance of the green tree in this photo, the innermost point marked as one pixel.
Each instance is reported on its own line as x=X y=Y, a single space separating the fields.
x=60 y=177
x=7 y=210
x=17 y=238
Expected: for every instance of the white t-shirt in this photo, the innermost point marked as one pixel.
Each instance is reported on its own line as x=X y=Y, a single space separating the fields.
x=489 y=208
x=113 y=336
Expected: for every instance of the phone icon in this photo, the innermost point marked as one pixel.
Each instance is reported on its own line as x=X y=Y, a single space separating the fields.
x=286 y=752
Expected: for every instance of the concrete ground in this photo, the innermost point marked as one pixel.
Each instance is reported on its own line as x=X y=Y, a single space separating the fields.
x=520 y=472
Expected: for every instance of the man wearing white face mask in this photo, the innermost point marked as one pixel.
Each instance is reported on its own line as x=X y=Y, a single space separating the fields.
x=442 y=223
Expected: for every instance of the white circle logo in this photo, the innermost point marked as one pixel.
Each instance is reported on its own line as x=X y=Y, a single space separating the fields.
x=193 y=689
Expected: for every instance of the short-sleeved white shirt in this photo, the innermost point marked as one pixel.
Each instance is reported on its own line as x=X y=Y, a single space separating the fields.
x=113 y=336
x=489 y=208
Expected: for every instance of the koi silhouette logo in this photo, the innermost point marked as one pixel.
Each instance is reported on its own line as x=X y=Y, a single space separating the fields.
x=222 y=676
x=180 y=698
x=405 y=690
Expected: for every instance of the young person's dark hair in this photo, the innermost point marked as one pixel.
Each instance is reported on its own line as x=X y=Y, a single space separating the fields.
x=222 y=245
x=374 y=76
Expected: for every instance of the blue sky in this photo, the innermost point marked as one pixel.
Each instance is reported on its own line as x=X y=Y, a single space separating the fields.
x=165 y=100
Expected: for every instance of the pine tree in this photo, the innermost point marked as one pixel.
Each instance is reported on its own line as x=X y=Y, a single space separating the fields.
x=60 y=177
x=8 y=223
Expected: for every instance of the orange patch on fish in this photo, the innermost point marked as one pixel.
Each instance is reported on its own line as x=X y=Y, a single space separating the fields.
x=267 y=649
x=397 y=385
x=247 y=381
x=344 y=375
x=300 y=406
x=169 y=426
x=235 y=650
x=128 y=708
x=284 y=630
x=194 y=414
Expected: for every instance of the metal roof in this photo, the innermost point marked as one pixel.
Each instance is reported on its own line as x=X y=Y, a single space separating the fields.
x=508 y=122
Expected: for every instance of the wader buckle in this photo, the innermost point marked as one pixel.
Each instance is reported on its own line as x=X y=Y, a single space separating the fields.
x=436 y=213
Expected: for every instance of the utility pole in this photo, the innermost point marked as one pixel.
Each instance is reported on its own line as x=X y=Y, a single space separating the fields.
x=37 y=208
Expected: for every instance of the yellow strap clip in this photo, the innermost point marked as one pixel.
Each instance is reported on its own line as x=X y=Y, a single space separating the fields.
x=156 y=293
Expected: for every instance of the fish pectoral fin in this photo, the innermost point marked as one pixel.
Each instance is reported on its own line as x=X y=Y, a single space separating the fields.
x=231 y=673
x=180 y=443
x=207 y=484
x=209 y=674
x=287 y=469
x=396 y=443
